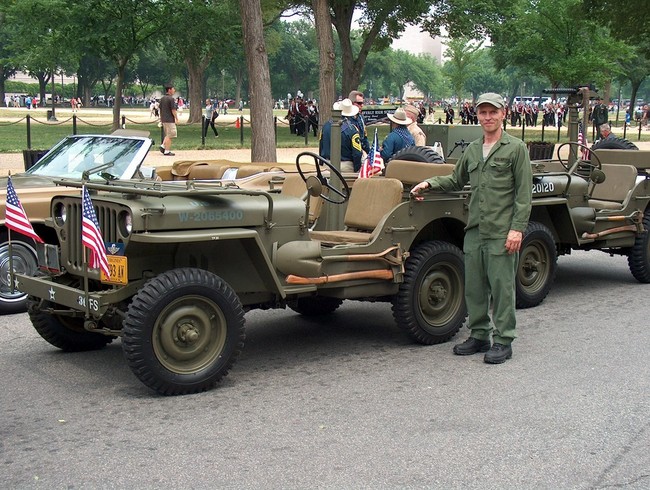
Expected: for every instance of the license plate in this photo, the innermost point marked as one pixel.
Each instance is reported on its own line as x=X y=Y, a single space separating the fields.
x=117 y=265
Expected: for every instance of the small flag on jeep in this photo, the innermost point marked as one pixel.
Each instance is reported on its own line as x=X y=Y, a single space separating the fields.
x=91 y=235
x=15 y=216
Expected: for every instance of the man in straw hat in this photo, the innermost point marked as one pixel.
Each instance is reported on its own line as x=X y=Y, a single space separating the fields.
x=399 y=136
x=498 y=170
x=416 y=131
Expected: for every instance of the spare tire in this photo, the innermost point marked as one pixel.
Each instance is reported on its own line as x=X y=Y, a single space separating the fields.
x=614 y=144
x=424 y=154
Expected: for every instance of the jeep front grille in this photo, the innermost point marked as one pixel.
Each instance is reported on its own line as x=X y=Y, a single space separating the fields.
x=72 y=249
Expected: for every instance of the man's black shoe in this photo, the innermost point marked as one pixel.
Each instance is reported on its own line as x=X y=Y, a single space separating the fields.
x=498 y=354
x=169 y=154
x=162 y=149
x=471 y=346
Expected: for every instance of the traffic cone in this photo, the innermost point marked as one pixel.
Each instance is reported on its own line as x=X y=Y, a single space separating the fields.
x=237 y=123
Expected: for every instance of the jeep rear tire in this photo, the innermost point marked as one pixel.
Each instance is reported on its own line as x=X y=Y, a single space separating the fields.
x=315 y=305
x=638 y=259
x=430 y=304
x=423 y=154
x=65 y=332
x=183 y=331
x=614 y=144
x=537 y=266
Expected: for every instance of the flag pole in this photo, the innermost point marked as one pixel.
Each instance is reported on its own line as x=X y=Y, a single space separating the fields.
x=12 y=279
x=85 y=263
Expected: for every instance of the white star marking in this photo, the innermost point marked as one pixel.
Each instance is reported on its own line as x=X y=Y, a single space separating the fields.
x=52 y=293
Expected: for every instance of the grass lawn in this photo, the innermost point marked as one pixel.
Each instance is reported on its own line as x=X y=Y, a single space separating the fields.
x=44 y=134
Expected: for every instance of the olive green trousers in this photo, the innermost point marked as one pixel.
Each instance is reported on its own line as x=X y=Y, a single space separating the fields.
x=490 y=278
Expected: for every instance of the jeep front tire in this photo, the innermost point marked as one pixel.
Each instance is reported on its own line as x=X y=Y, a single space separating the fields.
x=183 y=331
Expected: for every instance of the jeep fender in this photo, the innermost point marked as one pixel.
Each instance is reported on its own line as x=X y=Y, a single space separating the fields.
x=237 y=255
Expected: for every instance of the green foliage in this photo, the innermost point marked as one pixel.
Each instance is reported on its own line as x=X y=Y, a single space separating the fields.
x=555 y=40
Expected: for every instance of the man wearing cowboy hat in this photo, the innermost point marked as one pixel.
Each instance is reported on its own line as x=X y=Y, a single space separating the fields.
x=416 y=131
x=498 y=170
x=399 y=136
x=351 y=152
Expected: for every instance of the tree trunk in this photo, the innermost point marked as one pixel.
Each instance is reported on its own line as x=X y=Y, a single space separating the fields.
x=342 y=20
x=259 y=77
x=327 y=58
x=195 y=71
x=119 y=85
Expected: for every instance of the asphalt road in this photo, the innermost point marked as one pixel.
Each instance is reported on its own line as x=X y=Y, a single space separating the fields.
x=349 y=402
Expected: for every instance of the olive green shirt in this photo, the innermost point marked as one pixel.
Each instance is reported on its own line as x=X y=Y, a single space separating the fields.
x=502 y=186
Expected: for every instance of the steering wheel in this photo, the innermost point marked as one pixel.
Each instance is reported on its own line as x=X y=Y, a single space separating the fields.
x=593 y=163
x=323 y=181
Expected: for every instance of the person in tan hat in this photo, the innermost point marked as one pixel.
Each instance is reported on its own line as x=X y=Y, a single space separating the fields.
x=399 y=136
x=416 y=131
x=498 y=170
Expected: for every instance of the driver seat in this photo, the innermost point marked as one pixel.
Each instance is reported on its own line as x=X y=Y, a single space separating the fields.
x=370 y=200
x=294 y=186
x=614 y=191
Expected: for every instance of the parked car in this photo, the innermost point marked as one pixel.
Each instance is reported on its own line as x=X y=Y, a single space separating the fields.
x=93 y=157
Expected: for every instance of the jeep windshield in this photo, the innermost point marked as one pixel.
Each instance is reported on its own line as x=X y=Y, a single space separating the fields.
x=116 y=155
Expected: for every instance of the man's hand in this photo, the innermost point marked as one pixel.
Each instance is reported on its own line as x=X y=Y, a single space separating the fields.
x=415 y=192
x=513 y=241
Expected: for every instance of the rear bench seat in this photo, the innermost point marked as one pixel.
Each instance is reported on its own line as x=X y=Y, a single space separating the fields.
x=411 y=173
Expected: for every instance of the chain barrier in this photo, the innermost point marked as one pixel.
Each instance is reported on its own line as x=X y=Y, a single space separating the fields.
x=49 y=123
x=154 y=121
x=91 y=124
x=14 y=122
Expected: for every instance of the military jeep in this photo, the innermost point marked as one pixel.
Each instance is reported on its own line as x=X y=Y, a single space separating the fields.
x=189 y=259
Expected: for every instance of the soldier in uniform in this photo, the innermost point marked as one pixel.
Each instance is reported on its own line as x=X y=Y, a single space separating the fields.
x=498 y=170
x=357 y=99
x=351 y=151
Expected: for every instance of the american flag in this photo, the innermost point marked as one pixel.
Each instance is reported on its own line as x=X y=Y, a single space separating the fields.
x=372 y=165
x=15 y=216
x=582 y=140
x=91 y=235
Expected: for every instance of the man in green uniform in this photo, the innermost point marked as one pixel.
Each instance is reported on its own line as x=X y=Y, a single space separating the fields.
x=498 y=170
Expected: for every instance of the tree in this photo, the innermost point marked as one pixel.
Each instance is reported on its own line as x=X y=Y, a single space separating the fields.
x=462 y=54
x=555 y=40
x=118 y=29
x=326 y=57
x=263 y=134
x=199 y=32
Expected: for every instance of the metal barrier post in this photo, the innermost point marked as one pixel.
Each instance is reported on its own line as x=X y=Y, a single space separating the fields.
x=305 y=121
x=624 y=129
x=74 y=124
x=639 y=139
x=523 y=128
x=204 y=129
x=275 y=127
x=559 y=127
x=29 y=132
x=543 y=126
x=123 y=122
x=241 y=130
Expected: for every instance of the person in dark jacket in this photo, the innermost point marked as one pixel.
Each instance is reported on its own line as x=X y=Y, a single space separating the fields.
x=399 y=136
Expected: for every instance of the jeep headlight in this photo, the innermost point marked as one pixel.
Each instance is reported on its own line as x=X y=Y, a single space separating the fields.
x=125 y=223
x=60 y=214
